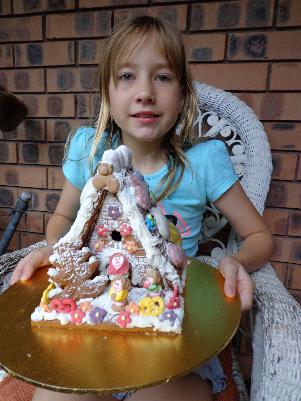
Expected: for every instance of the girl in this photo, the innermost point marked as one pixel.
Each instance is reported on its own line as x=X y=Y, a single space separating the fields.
x=147 y=93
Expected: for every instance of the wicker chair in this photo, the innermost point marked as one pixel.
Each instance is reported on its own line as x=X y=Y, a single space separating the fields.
x=276 y=369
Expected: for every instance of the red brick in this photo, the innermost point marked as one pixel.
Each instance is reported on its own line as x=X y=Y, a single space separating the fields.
x=58 y=130
x=281 y=271
x=231 y=15
x=41 y=153
x=83 y=102
x=8 y=196
x=90 y=51
x=50 y=105
x=21 y=29
x=106 y=3
x=56 y=178
x=299 y=171
x=284 y=165
x=284 y=135
x=33 y=130
x=71 y=79
x=289 y=13
x=294 y=277
x=25 y=176
x=287 y=250
x=246 y=76
x=276 y=45
x=23 y=80
x=27 y=239
x=284 y=194
x=176 y=15
x=8 y=152
x=5 y=7
x=14 y=243
x=274 y=106
x=42 y=54
x=6 y=56
x=84 y=24
x=43 y=200
x=294 y=228
x=205 y=47
x=285 y=76
x=34 y=221
x=23 y=7
x=277 y=220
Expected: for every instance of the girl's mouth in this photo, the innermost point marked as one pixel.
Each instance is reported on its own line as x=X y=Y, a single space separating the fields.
x=146 y=117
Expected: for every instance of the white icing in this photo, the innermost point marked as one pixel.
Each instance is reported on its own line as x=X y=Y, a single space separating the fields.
x=55 y=291
x=161 y=221
x=148 y=241
x=104 y=301
x=51 y=271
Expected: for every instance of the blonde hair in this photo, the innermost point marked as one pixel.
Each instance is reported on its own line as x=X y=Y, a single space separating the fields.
x=121 y=43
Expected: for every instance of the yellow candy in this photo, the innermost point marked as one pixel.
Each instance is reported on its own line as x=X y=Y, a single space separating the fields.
x=151 y=306
x=45 y=299
x=174 y=235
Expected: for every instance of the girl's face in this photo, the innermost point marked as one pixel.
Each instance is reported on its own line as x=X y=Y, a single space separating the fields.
x=147 y=99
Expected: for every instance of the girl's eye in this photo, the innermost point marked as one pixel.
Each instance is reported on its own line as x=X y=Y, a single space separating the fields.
x=127 y=76
x=163 y=78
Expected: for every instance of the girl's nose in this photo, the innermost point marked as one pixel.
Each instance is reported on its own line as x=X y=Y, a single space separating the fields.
x=145 y=93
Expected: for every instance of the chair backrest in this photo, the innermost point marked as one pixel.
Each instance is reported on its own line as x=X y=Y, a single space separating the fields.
x=225 y=117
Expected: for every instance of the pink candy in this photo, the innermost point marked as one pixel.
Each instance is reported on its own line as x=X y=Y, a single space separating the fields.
x=176 y=255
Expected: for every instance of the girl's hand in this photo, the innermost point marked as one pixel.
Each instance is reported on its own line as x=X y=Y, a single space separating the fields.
x=237 y=279
x=28 y=265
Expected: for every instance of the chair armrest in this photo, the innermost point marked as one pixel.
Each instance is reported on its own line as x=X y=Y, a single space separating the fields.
x=281 y=320
x=9 y=261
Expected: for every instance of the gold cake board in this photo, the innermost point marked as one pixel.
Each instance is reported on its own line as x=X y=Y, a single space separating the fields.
x=97 y=362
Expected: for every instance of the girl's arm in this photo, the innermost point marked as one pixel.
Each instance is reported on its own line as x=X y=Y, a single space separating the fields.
x=58 y=225
x=256 y=249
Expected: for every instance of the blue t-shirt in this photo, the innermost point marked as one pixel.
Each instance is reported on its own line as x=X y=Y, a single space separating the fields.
x=208 y=175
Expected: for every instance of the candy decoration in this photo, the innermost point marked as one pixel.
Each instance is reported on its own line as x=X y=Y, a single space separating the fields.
x=131 y=247
x=176 y=255
x=85 y=306
x=175 y=236
x=68 y=305
x=124 y=319
x=57 y=305
x=174 y=300
x=97 y=315
x=142 y=197
x=77 y=316
x=102 y=230
x=99 y=245
x=150 y=222
x=152 y=283
x=45 y=299
x=118 y=264
x=161 y=222
x=168 y=315
x=114 y=212
x=132 y=308
x=125 y=230
x=151 y=306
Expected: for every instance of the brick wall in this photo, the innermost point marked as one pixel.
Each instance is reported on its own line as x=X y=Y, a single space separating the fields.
x=48 y=56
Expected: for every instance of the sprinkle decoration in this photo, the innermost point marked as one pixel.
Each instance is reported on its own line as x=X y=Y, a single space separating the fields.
x=97 y=315
x=125 y=230
x=124 y=319
x=77 y=316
